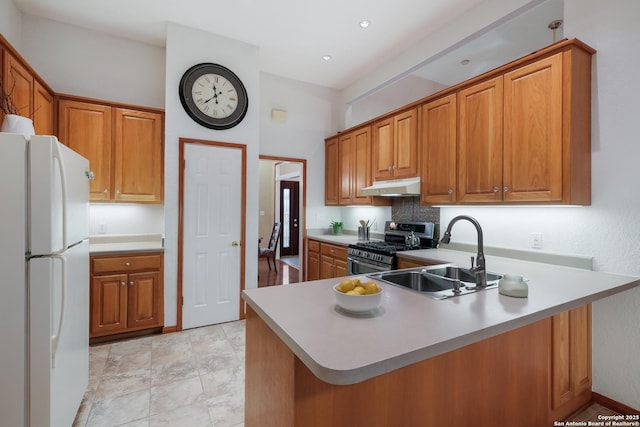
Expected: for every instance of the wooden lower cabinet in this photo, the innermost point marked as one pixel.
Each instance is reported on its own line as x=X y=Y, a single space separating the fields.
x=313 y=260
x=505 y=380
x=333 y=261
x=126 y=293
x=407 y=263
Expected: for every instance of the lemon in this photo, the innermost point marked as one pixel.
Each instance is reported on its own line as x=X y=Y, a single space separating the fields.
x=346 y=285
x=371 y=288
x=357 y=282
x=359 y=290
x=353 y=292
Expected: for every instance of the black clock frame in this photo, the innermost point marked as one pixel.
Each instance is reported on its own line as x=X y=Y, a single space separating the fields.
x=186 y=99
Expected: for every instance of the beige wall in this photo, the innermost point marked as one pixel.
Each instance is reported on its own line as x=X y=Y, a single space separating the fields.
x=266 y=201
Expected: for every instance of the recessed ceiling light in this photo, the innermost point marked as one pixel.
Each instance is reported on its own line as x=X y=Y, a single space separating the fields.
x=364 y=23
x=326 y=57
x=464 y=62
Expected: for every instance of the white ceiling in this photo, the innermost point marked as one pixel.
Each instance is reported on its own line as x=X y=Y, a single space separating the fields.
x=292 y=35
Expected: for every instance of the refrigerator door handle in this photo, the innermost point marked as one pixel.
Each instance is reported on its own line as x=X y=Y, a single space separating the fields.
x=55 y=338
x=57 y=154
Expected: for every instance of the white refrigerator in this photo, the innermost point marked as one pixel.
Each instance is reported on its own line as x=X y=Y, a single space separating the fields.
x=44 y=273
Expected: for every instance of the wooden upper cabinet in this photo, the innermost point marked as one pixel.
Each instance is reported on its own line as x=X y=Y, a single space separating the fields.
x=383 y=149
x=438 y=134
x=31 y=97
x=86 y=128
x=518 y=134
x=355 y=166
x=533 y=132
x=124 y=147
x=137 y=156
x=395 y=146
x=332 y=172
x=18 y=81
x=43 y=110
x=406 y=141
x=480 y=119
x=347 y=155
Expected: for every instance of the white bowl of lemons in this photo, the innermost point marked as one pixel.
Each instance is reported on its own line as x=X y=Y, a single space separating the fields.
x=358 y=297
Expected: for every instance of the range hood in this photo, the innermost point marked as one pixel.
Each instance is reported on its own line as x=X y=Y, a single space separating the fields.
x=393 y=187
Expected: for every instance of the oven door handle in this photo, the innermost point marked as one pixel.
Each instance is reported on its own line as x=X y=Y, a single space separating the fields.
x=373 y=266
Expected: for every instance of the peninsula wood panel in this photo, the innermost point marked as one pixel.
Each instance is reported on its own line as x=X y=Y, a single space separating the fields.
x=439 y=139
x=506 y=372
x=571 y=361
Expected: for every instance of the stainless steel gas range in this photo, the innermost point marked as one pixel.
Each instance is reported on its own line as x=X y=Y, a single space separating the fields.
x=376 y=255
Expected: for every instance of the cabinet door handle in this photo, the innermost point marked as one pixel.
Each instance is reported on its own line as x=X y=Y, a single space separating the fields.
x=505 y=189
x=450 y=191
x=495 y=189
x=131 y=283
x=106 y=190
x=235 y=243
x=128 y=264
x=123 y=283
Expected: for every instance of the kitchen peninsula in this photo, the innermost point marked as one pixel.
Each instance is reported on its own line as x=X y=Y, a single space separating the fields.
x=478 y=359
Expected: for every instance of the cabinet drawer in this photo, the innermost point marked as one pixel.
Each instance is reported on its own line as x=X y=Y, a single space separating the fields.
x=314 y=245
x=333 y=251
x=126 y=263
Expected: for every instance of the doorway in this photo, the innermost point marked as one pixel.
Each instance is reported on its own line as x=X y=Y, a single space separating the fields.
x=274 y=171
x=211 y=232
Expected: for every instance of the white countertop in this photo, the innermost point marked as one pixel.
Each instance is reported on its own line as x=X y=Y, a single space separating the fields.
x=345 y=349
x=340 y=239
x=105 y=244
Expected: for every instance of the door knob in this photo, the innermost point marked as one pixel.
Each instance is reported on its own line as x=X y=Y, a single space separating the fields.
x=235 y=243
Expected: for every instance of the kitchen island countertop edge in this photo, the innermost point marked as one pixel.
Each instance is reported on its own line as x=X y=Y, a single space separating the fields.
x=342 y=349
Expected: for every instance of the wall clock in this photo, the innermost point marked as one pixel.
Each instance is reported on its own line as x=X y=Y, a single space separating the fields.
x=213 y=96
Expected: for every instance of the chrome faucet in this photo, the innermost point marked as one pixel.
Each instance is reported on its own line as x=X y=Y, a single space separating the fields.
x=480 y=269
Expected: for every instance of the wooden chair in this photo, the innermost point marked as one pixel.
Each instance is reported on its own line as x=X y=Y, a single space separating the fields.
x=270 y=251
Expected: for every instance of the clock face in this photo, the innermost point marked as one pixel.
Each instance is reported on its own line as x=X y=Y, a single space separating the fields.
x=213 y=96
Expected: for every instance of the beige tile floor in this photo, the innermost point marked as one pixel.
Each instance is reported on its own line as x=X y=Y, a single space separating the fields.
x=192 y=378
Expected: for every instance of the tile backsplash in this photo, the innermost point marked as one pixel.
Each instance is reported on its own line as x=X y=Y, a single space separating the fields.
x=409 y=209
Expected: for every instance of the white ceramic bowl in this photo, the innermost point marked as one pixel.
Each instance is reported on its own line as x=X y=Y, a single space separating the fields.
x=358 y=303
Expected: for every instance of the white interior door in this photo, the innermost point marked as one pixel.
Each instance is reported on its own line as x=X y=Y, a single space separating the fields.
x=211 y=235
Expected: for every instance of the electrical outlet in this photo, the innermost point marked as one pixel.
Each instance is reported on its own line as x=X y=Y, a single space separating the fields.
x=102 y=228
x=536 y=240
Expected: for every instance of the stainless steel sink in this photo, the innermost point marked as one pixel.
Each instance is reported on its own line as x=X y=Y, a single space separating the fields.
x=458 y=273
x=438 y=282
